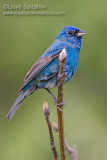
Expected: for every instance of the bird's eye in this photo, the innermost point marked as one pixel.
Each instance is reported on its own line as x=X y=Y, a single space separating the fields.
x=70 y=33
x=73 y=32
x=76 y=31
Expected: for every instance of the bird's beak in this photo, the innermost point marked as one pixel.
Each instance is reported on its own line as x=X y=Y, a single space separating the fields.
x=81 y=33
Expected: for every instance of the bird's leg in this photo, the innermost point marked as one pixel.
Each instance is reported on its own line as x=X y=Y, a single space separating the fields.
x=51 y=94
x=53 y=97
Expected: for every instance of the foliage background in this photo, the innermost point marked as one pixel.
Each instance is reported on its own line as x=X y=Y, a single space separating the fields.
x=22 y=40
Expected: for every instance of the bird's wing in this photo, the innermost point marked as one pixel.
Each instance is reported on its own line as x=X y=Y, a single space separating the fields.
x=40 y=64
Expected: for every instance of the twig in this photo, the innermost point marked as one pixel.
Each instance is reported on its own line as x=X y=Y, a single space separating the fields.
x=46 y=112
x=60 y=104
x=71 y=150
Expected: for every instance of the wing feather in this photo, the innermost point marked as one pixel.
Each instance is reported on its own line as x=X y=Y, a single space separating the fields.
x=40 y=64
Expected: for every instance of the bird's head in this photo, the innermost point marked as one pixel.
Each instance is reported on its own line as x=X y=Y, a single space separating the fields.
x=71 y=34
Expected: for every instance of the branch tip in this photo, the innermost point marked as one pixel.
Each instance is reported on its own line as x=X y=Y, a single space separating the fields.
x=46 y=109
x=63 y=56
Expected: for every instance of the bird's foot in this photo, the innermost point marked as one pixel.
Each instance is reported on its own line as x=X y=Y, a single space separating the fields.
x=59 y=104
x=56 y=101
x=64 y=74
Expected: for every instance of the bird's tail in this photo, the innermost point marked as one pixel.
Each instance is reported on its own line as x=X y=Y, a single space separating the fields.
x=17 y=104
x=24 y=93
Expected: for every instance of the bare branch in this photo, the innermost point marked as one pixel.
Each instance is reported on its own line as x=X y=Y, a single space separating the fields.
x=71 y=150
x=60 y=103
x=46 y=112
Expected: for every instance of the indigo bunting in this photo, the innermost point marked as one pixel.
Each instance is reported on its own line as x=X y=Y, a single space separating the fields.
x=43 y=74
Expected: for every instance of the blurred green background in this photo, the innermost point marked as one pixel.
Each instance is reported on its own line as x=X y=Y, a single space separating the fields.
x=22 y=40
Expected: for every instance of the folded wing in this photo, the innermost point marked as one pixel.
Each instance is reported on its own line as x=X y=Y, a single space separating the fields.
x=38 y=67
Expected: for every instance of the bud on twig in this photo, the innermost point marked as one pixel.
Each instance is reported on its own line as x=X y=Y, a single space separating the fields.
x=55 y=127
x=46 y=109
x=63 y=56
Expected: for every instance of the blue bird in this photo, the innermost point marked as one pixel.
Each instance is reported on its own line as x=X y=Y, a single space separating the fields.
x=43 y=74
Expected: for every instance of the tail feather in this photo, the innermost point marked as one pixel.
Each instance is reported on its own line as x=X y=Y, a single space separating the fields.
x=16 y=105
x=24 y=93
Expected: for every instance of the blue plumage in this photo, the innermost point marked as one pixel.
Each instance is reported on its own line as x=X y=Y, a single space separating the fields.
x=43 y=74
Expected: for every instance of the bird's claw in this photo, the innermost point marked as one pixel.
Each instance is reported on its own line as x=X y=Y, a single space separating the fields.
x=64 y=74
x=59 y=104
